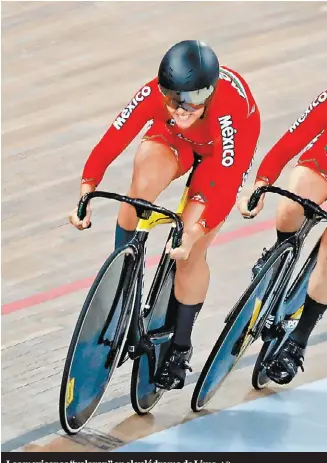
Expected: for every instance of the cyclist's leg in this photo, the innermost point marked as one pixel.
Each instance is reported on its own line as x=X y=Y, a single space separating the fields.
x=195 y=268
x=192 y=276
x=190 y=290
x=190 y=287
x=316 y=299
x=308 y=180
x=192 y=279
x=160 y=158
x=307 y=183
x=283 y=369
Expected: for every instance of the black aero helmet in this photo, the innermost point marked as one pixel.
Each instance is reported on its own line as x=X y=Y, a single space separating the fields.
x=189 y=72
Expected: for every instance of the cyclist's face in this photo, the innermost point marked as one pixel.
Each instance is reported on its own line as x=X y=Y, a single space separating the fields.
x=184 y=119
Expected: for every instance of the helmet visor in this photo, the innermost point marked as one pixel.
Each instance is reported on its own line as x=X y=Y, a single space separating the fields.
x=189 y=101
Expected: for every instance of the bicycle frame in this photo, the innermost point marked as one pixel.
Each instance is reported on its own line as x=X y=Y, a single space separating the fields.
x=139 y=341
x=280 y=302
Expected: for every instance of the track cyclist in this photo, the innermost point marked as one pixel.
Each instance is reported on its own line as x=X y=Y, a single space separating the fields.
x=307 y=137
x=194 y=105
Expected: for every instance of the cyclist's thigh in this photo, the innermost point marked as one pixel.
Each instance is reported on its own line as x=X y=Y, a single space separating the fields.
x=309 y=177
x=309 y=180
x=306 y=183
x=155 y=167
x=177 y=152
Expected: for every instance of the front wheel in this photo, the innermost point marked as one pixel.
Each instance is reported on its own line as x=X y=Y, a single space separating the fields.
x=98 y=340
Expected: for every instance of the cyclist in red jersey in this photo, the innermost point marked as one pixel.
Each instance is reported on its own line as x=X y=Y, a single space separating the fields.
x=194 y=106
x=307 y=136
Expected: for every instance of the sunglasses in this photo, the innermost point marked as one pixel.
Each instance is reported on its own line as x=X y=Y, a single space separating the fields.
x=189 y=101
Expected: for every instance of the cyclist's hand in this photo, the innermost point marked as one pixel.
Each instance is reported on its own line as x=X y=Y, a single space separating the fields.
x=244 y=201
x=243 y=207
x=180 y=253
x=183 y=251
x=81 y=224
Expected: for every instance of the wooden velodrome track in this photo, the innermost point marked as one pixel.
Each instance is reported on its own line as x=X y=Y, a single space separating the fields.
x=67 y=69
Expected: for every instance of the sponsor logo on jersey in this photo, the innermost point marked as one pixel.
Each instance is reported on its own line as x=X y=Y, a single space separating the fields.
x=227 y=134
x=320 y=99
x=125 y=114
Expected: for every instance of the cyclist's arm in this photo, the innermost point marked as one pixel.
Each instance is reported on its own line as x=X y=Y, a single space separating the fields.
x=120 y=134
x=219 y=178
x=300 y=134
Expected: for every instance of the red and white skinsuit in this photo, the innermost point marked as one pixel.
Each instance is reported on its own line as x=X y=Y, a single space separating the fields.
x=308 y=136
x=225 y=137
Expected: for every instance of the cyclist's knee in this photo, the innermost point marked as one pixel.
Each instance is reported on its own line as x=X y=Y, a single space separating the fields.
x=199 y=250
x=193 y=262
x=307 y=184
x=290 y=215
x=198 y=254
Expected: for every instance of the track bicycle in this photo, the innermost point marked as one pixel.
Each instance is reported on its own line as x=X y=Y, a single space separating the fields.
x=114 y=325
x=270 y=307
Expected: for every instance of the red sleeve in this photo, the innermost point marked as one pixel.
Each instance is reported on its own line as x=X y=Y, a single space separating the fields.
x=122 y=131
x=219 y=178
x=304 y=129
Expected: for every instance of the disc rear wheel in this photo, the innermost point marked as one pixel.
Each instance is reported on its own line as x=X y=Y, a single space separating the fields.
x=97 y=341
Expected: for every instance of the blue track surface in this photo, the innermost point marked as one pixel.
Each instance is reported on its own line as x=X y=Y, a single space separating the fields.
x=292 y=420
